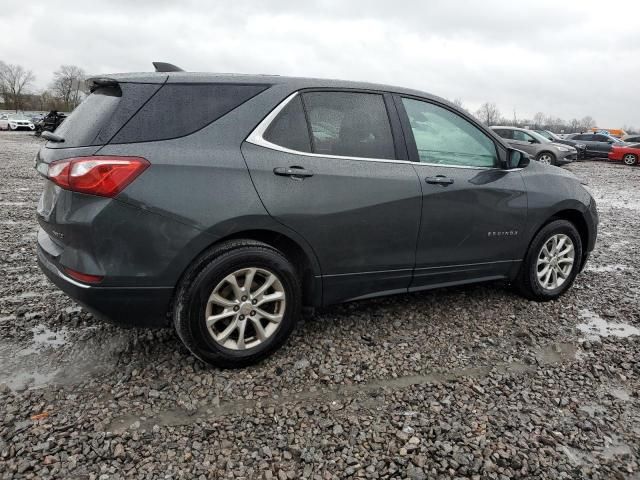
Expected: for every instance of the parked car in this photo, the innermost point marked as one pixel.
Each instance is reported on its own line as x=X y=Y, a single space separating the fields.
x=631 y=138
x=224 y=204
x=540 y=148
x=50 y=122
x=16 y=121
x=628 y=154
x=598 y=144
x=581 y=148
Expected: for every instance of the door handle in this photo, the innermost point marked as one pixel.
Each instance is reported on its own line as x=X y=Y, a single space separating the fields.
x=293 y=172
x=439 y=180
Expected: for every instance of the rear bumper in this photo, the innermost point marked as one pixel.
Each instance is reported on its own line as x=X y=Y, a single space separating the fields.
x=132 y=306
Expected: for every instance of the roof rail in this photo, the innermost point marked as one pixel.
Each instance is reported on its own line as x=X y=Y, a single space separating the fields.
x=166 y=67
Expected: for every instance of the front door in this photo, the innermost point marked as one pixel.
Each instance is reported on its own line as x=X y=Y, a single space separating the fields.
x=326 y=167
x=473 y=212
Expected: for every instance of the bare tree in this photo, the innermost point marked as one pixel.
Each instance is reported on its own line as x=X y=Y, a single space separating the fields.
x=587 y=123
x=458 y=103
x=14 y=83
x=539 y=120
x=69 y=85
x=488 y=114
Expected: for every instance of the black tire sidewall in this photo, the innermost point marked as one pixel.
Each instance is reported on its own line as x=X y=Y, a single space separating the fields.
x=530 y=267
x=190 y=313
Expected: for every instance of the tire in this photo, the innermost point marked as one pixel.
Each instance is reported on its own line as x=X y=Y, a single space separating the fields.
x=193 y=304
x=547 y=158
x=630 y=159
x=528 y=284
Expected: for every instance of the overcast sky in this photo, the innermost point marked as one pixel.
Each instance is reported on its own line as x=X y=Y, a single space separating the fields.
x=564 y=58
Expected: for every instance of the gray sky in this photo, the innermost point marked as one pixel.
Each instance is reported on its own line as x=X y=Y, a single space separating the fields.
x=564 y=58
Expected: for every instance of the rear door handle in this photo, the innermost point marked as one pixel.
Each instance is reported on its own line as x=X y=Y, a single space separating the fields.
x=439 y=180
x=294 y=172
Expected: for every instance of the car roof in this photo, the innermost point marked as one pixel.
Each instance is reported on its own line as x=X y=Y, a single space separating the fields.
x=296 y=83
x=513 y=128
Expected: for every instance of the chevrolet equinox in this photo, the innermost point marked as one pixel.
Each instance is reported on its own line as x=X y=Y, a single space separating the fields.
x=225 y=204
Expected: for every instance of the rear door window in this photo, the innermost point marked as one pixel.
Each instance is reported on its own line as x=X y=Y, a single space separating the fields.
x=349 y=124
x=504 y=133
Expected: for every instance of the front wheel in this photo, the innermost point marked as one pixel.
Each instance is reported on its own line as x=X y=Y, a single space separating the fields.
x=238 y=304
x=630 y=159
x=547 y=158
x=552 y=262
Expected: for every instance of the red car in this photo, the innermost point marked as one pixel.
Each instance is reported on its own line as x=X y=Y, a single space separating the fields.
x=629 y=154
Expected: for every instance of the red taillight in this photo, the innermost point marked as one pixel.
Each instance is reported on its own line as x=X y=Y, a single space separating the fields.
x=99 y=175
x=83 y=277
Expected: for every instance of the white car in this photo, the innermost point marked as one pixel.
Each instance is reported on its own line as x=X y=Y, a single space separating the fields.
x=15 y=121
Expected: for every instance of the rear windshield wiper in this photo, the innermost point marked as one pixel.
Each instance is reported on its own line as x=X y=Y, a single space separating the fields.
x=52 y=137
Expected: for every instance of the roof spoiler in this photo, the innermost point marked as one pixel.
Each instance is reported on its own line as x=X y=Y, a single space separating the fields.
x=166 y=67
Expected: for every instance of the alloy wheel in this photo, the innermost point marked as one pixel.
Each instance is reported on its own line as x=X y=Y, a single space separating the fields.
x=555 y=261
x=545 y=158
x=245 y=308
x=629 y=159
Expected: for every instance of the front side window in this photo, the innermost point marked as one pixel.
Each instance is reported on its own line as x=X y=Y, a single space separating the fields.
x=522 y=136
x=443 y=137
x=349 y=124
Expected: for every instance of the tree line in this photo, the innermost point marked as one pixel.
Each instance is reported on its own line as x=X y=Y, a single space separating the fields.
x=489 y=114
x=17 y=92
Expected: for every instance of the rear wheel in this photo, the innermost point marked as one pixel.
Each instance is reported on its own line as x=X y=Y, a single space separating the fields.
x=547 y=158
x=552 y=262
x=630 y=159
x=238 y=304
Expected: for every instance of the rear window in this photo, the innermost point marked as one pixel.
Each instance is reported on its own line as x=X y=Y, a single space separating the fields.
x=142 y=112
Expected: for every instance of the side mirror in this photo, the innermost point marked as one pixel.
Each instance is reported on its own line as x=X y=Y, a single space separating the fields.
x=609 y=141
x=532 y=140
x=517 y=159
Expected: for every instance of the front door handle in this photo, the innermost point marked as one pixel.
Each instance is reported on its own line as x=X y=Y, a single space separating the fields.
x=439 y=180
x=293 y=172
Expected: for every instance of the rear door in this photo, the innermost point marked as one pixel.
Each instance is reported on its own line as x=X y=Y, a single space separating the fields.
x=473 y=212
x=330 y=165
x=602 y=145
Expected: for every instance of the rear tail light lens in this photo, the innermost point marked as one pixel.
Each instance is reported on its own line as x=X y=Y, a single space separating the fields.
x=105 y=176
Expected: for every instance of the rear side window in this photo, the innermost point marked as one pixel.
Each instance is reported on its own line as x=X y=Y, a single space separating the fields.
x=181 y=109
x=289 y=129
x=349 y=124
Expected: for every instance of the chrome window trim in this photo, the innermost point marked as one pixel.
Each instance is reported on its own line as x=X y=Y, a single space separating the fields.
x=256 y=137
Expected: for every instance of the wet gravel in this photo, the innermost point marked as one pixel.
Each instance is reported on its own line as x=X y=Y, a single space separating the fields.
x=470 y=382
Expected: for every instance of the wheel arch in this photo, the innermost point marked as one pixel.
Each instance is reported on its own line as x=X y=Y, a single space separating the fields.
x=300 y=254
x=577 y=218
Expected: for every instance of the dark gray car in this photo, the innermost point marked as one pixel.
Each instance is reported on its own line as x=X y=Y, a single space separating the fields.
x=539 y=147
x=225 y=204
x=597 y=145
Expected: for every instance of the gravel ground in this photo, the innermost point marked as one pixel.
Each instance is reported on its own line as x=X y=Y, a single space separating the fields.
x=465 y=382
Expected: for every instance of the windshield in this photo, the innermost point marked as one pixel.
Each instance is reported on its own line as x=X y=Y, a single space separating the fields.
x=17 y=116
x=546 y=134
x=538 y=137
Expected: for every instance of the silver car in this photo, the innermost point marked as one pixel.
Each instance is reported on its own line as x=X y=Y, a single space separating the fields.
x=539 y=147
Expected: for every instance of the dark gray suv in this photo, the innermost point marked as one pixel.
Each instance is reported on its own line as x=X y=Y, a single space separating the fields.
x=225 y=204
